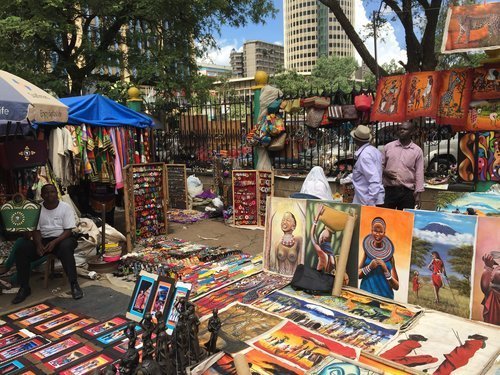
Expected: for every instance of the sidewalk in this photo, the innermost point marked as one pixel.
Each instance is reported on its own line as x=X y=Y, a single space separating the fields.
x=209 y=232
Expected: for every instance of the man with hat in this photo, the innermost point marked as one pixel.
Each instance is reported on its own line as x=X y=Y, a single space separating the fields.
x=367 y=173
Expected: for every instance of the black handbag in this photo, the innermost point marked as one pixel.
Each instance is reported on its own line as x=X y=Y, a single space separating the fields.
x=312 y=281
x=23 y=153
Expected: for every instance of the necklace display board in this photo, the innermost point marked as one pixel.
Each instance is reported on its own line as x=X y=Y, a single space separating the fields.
x=251 y=188
x=177 y=187
x=145 y=198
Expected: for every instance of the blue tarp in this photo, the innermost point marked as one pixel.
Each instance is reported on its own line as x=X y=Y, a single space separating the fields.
x=100 y=111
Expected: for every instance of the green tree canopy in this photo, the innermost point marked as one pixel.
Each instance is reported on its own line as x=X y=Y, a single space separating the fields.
x=460 y=259
x=63 y=44
x=420 y=250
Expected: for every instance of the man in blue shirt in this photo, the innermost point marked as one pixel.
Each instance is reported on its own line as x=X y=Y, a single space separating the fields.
x=367 y=173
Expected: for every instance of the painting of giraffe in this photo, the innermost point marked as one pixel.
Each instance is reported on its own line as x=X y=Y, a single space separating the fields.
x=454 y=97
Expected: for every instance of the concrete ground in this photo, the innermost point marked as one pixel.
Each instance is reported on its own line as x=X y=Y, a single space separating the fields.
x=210 y=232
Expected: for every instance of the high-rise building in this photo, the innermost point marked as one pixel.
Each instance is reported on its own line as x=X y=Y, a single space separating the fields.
x=257 y=55
x=311 y=31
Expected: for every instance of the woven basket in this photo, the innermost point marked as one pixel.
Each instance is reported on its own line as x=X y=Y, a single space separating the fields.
x=20 y=214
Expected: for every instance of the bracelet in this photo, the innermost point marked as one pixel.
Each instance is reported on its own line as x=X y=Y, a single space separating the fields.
x=388 y=278
x=366 y=270
x=315 y=222
x=387 y=275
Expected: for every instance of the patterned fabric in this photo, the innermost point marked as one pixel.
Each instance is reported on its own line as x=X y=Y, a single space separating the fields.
x=390 y=100
x=421 y=93
x=485 y=83
x=454 y=97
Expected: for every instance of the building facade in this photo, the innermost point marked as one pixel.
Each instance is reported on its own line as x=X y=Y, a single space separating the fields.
x=257 y=55
x=312 y=31
x=212 y=70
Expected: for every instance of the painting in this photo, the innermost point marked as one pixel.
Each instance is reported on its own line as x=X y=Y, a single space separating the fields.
x=341 y=365
x=55 y=348
x=385 y=237
x=100 y=328
x=284 y=235
x=441 y=261
x=334 y=324
x=324 y=230
x=454 y=97
x=260 y=363
x=485 y=83
x=5 y=330
x=22 y=348
x=113 y=336
x=421 y=92
x=89 y=366
x=300 y=346
x=142 y=296
x=71 y=328
x=472 y=27
x=235 y=328
x=486 y=204
x=54 y=323
x=40 y=317
x=246 y=291
x=379 y=311
x=66 y=359
x=486 y=283
x=390 y=100
x=488 y=157
x=181 y=291
x=483 y=116
x=442 y=344
x=163 y=294
x=28 y=311
x=11 y=367
x=15 y=337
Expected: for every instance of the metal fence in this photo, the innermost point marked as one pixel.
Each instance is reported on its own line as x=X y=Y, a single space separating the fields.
x=195 y=134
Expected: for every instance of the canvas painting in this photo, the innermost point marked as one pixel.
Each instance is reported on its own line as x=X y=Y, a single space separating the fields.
x=334 y=324
x=15 y=337
x=11 y=367
x=389 y=314
x=324 y=231
x=485 y=83
x=454 y=97
x=483 y=116
x=54 y=323
x=385 y=244
x=442 y=344
x=235 y=328
x=5 y=330
x=55 y=348
x=421 y=92
x=142 y=295
x=471 y=27
x=339 y=365
x=88 y=366
x=28 y=311
x=22 y=348
x=163 y=293
x=441 y=261
x=246 y=291
x=71 y=328
x=390 y=101
x=96 y=330
x=284 y=235
x=486 y=283
x=40 y=317
x=66 y=359
x=485 y=203
x=113 y=336
x=300 y=346
x=181 y=291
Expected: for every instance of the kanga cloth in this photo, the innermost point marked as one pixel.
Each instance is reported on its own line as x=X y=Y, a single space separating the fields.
x=485 y=83
x=390 y=100
x=454 y=97
x=422 y=94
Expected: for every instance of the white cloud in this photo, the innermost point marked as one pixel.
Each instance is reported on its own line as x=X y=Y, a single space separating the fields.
x=444 y=239
x=279 y=43
x=220 y=55
x=387 y=49
x=320 y=309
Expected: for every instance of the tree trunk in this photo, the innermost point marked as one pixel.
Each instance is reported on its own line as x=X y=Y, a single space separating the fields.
x=353 y=36
x=429 y=55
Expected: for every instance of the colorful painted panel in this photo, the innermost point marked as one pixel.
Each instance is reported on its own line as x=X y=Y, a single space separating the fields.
x=323 y=234
x=386 y=237
x=390 y=101
x=486 y=283
x=339 y=365
x=300 y=346
x=485 y=83
x=472 y=28
x=246 y=291
x=454 y=97
x=483 y=115
x=441 y=261
x=488 y=158
x=443 y=344
x=466 y=156
x=337 y=325
x=374 y=310
x=422 y=93
x=284 y=235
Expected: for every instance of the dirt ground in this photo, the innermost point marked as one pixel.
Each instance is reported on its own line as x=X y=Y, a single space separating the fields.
x=210 y=232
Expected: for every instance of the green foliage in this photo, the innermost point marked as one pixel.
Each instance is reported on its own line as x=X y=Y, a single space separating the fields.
x=420 y=250
x=462 y=286
x=290 y=82
x=460 y=259
x=69 y=45
x=116 y=91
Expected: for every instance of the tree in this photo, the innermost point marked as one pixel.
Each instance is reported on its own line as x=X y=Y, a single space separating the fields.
x=420 y=42
x=420 y=249
x=391 y=68
x=290 y=82
x=66 y=45
x=460 y=259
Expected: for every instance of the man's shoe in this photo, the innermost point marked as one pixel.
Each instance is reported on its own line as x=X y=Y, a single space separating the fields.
x=76 y=291
x=21 y=295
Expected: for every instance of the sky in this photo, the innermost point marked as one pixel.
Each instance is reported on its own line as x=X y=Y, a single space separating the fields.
x=391 y=47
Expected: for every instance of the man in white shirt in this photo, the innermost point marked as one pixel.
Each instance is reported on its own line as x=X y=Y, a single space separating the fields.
x=53 y=235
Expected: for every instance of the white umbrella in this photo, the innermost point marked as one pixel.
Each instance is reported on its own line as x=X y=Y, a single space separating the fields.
x=20 y=100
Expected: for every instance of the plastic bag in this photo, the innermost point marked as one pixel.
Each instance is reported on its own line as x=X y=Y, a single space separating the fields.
x=194 y=186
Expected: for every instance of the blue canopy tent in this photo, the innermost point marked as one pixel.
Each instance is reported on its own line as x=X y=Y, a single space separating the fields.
x=98 y=110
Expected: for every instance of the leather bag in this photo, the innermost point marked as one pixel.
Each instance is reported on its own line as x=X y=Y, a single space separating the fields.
x=312 y=281
x=278 y=144
x=23 y=153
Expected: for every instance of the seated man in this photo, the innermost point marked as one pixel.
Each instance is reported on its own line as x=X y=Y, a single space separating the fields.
x=53 y=235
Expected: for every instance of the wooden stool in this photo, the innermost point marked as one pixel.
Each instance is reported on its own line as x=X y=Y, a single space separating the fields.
x=49 y=269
